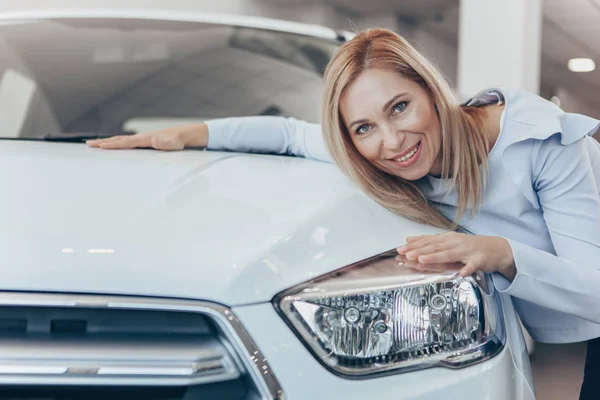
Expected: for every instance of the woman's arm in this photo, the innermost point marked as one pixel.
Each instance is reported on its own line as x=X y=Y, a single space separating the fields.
x=567 y=182
x=259 y=134
x=263 y=134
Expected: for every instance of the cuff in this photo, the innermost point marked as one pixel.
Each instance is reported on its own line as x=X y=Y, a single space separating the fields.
x=522 y=278
x=216 y=139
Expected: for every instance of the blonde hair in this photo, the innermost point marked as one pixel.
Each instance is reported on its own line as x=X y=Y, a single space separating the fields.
x=464 y=147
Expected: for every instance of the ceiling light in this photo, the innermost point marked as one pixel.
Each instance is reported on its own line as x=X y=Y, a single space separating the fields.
x=581 y=65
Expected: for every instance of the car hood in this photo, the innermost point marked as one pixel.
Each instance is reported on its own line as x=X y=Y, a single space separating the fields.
x=225 y=227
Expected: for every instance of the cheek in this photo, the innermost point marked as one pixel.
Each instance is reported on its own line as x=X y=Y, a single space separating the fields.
x=419 y=120
x=435 y=134
x=426 y=122
x=368 y=147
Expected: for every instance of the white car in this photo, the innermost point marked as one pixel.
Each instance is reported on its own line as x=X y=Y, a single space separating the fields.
x=209 y=275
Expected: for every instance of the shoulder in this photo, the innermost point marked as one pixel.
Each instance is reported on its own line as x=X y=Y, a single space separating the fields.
x=529 y=116
x=554 y=162
x=535 y=131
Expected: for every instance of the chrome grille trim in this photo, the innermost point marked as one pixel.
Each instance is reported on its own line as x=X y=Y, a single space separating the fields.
x=254 y=361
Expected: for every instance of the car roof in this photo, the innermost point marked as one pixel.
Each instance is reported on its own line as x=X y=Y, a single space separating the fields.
x=178 y=15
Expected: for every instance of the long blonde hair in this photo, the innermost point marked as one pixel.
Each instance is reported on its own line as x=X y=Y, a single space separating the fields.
x=464 y=147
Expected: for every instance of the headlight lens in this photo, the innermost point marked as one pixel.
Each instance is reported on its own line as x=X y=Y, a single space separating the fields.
x=375 y=317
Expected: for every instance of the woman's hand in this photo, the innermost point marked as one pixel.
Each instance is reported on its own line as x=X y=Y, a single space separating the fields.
x=431 y=267
x=474 y=253
x=175 y=138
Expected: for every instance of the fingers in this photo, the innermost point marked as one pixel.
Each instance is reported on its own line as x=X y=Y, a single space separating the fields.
x=97 y=142
x=434 y=267
x=118 y=142
x=418 y=242
x=426 y=245
x=442 y=256
x=468 y=270
x=453 y=250
x=157 y=141
x=122 y=142
x=435 y=248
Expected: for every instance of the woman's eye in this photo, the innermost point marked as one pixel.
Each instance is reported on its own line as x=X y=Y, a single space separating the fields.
x=363 y=129
x=399 y=107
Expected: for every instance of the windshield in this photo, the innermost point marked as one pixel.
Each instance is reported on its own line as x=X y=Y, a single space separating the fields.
x=118 y=76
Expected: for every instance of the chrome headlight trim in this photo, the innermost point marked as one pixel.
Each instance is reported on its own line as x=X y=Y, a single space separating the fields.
x=492 y=318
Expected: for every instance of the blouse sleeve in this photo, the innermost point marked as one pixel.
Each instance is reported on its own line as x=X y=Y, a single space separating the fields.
x=566 y=179
x=267 y=134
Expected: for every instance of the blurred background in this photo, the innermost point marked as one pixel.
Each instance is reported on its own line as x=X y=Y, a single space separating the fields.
x=476 y=43
x=545 y=46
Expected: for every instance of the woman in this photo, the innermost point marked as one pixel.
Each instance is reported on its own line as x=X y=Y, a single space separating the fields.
x=509 y=167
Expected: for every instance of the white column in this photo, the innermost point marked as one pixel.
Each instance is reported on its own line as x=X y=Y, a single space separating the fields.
x=499 y=44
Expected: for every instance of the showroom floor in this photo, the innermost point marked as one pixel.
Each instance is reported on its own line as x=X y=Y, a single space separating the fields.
x=558 y=370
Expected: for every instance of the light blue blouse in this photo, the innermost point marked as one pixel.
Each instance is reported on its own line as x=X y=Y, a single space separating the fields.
x=543 y=196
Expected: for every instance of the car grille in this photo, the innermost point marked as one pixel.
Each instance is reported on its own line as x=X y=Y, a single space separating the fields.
x=59 y=347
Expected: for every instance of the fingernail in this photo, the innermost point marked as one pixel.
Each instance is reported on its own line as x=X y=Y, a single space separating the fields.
x=401 y=263
x=401 y=249
x=411 y=255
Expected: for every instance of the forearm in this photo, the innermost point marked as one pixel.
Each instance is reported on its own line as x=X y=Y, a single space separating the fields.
x=257 y=134
x=506 y=264
x=267 y=134
x=253 y=134
x=559 y=283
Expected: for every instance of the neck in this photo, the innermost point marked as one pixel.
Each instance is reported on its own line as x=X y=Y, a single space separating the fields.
x=488 y=120
x=491 y=123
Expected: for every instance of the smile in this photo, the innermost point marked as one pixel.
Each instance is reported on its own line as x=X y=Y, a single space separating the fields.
x=409 y=157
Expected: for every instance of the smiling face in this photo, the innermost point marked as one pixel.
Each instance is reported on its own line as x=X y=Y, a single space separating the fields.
x=393 y=124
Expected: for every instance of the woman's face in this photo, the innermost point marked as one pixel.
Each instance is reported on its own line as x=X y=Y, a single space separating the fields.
x=393 y=124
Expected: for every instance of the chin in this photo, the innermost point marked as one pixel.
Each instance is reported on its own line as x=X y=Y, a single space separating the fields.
x=412 y=176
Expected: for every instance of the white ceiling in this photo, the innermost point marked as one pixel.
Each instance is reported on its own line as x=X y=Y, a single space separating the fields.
x=571 y=29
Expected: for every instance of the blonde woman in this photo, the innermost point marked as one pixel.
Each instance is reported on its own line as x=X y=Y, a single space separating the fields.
x=509 y=167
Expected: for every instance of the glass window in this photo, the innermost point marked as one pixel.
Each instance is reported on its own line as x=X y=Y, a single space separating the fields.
x=118 y=75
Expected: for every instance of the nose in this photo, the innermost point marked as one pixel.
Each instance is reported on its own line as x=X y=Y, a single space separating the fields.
x=392 y=137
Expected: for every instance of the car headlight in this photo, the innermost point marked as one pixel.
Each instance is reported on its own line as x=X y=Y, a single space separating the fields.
x=375 y=317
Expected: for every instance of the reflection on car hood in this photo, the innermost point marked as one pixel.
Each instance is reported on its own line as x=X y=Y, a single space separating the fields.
x=226 y=227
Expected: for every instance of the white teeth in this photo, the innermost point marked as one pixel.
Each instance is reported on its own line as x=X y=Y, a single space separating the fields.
x=408 y=156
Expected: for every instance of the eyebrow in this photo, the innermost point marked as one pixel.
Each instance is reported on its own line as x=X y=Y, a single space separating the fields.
x=392 y=100
x=385 y=107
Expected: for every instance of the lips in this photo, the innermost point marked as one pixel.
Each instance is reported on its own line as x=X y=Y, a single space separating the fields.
x=407 y=153
x=408 y=157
